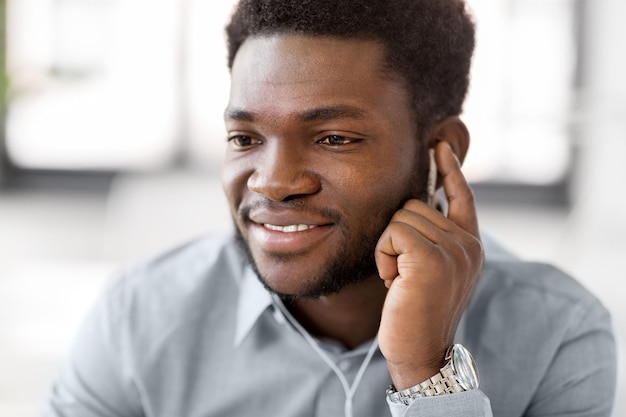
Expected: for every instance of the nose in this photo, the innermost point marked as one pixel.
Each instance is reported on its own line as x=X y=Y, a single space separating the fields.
x=281 y=173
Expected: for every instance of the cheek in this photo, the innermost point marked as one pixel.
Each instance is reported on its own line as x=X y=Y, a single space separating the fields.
x=382 y=198
x=234 y=179
x=370 y=198
x=376 y=196
x=386 y=180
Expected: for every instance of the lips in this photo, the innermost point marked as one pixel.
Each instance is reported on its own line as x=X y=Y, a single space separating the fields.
x=287 y=231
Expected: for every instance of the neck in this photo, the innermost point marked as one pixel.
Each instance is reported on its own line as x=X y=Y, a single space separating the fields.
x=351 y=316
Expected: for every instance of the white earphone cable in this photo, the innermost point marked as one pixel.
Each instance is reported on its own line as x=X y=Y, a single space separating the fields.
x=349 y=390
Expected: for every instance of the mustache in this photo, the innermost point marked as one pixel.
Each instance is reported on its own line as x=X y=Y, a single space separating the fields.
x=295 y=205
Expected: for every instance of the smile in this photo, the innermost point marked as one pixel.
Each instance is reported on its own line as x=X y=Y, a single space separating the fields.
x=292 y=228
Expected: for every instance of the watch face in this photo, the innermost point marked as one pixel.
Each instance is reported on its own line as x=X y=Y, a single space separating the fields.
x=465 y=368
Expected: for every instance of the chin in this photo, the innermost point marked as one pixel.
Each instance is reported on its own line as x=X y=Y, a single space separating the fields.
x=291 y=280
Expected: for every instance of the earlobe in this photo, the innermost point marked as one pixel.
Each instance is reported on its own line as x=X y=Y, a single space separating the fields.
x=451 y=130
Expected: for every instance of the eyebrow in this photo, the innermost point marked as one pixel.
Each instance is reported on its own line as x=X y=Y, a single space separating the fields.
x=332 y=113
x=239 y=115
x=318 y=114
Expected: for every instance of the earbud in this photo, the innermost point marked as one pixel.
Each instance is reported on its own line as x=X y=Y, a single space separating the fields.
x=432 y=177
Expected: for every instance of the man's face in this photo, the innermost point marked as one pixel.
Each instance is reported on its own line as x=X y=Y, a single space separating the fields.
x=322 y=151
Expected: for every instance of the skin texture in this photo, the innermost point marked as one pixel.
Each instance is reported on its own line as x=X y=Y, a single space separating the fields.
x=321 y=135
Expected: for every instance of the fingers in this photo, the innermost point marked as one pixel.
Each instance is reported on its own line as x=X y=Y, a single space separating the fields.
x=461 y=207
x=417 y=233
x=407 y=233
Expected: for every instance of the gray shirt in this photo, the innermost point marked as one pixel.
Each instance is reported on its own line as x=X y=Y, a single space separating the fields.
x=194 y=334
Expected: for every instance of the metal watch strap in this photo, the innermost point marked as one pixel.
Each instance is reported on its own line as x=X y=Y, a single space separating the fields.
x=444 y=382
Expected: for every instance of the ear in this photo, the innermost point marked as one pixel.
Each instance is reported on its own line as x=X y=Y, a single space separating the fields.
x=452 y=130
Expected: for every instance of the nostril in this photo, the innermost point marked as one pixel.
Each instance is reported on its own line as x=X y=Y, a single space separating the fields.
x=281 y=186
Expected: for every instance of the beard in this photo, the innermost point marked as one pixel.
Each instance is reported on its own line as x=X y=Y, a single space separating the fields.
x=354 y=264
x=355 y=261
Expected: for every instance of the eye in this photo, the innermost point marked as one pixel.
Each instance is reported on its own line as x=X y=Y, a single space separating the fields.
x=335 y=140
x=243 y=141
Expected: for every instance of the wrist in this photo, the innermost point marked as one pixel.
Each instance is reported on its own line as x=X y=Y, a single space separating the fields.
x=404 y=377
x=458 y=374
x=407 y=374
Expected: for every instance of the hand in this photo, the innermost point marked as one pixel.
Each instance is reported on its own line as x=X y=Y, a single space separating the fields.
x=430 y=264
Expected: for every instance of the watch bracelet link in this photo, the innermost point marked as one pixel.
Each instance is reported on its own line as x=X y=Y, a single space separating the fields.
x=444 y=382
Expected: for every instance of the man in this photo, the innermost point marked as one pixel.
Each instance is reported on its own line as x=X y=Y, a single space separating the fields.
x=345 y=292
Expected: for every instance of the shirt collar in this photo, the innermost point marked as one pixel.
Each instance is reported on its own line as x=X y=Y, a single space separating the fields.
x=253 y=300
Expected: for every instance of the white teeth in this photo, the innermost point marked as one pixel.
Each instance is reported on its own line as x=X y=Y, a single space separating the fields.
x=291 y=228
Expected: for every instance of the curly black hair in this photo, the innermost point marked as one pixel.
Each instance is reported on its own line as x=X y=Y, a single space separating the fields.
x=429 y=43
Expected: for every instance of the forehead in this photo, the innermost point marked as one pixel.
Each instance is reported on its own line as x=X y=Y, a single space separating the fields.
x=292 y=70
x=300 y=52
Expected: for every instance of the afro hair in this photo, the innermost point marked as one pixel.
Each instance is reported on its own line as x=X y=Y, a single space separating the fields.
x=429 y=43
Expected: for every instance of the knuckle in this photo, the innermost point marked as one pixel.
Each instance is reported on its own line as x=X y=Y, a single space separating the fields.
x=469 y=196
x=412 y=204
x=476 y=246
x=465 y=197
x=403 y=215
x=469 y=249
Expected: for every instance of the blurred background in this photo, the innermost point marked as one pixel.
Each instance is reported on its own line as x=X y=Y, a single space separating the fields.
x=111 y=139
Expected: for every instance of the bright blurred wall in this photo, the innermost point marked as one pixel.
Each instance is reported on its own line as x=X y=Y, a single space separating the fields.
x=116 y=84
x=138 y=84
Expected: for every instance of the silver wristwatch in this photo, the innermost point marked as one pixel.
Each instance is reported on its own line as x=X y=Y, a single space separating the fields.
x=457 y=375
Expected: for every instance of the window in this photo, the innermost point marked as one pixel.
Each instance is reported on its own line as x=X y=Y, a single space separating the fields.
x=520 y=102
x=141 y=84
